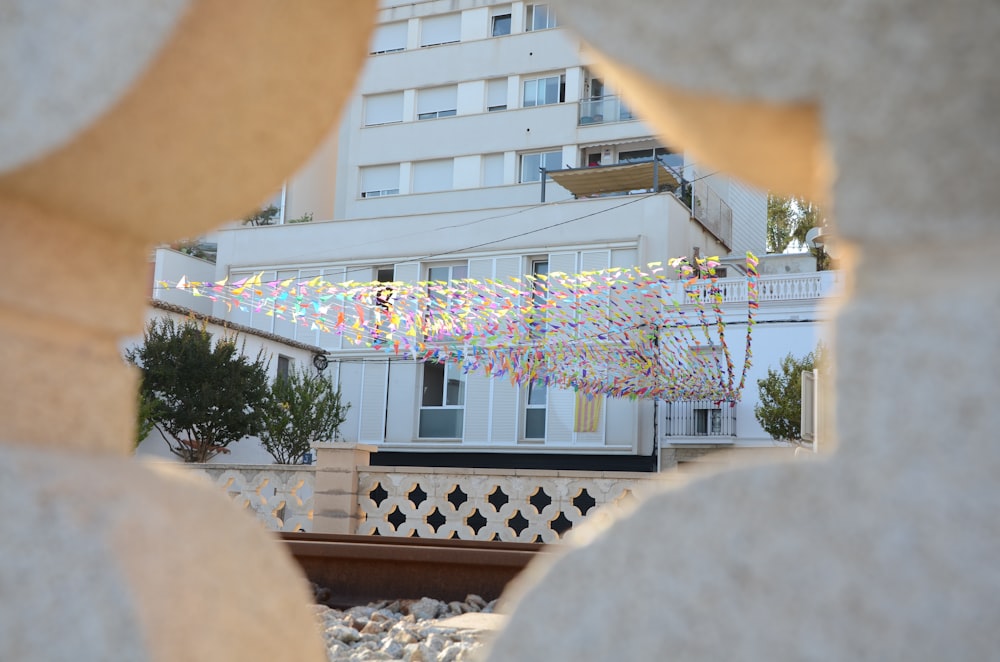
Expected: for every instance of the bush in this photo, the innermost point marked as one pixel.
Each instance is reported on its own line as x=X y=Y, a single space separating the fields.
x=302 y=408
x=201 y=396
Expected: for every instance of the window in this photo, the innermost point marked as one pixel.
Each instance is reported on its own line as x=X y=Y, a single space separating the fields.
x=493 y=170
x=496 y=94
x=530 y=164
x=444 y=273
x=539 y=294
x=389 y=38
x=437 y=30
x=540 y=17
x=377 y=181
x=437 y=102
x=277 y=201
x=544 y=91
x=707 y=421
x=663 y=154
x=534 y=411
x=383 y=108
x=501 y=25
x=284 y=366
x=442 y=403
x=430 y=176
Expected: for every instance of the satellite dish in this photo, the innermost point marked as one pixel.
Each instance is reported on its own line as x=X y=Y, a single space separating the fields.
x=812 y=236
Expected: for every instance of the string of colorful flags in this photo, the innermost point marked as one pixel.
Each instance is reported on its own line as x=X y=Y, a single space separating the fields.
x=621 y=332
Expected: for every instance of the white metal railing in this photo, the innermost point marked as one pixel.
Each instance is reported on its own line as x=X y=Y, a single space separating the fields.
x=513 y=506
x=281 y=496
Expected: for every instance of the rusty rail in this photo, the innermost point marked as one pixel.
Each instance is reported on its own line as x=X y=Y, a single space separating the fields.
x=362 y=569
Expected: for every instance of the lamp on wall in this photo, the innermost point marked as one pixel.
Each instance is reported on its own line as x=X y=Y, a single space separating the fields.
x=320 y=362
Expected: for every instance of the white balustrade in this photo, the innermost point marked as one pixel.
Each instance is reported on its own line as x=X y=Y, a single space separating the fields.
x=281 y=496
x=470 y=504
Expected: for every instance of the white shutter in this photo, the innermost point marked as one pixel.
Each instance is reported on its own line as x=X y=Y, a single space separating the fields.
x=283 y=324
x=496 y=93
x=443 y=29
x=388 y=38
x=380 y=178
x=406 y=272
x=350 y=374
x=437 y=175
x=506 y=396
x=383 y=108
x=374 y=389
x=437 y=99
x=477 y=385
x=352 y=337
x=493 y=170
x=561 y=402
x=261 y=312
x=328 y=340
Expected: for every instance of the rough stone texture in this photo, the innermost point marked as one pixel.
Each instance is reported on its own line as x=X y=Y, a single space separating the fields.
x=108 y=559
x=123 y=125
x=887 y=549
x=425 y=630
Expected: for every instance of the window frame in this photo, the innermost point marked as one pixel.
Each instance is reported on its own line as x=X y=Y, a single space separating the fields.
x=536 y=176
x=459 y=406
x=541 y=82
x=493 y=24
x=531 y=15
x=378 y=193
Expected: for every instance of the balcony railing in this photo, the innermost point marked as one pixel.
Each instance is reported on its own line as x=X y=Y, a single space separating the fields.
x=700 y=418
x=771 y=288
x=602 y=110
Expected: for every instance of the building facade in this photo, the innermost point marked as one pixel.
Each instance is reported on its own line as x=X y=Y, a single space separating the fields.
x=481 y=144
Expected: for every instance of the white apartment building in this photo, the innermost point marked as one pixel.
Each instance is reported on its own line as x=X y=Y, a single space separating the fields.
x=435 y=174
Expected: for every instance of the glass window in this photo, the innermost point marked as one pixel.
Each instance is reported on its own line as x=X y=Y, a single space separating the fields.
x=534 y=411
x=540 y=17
x=501 y=25
x=530 y=164
x=665 y=156
x=544 y=91
x=442 y=401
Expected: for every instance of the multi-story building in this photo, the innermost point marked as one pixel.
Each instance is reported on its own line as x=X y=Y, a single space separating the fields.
x=480 y=144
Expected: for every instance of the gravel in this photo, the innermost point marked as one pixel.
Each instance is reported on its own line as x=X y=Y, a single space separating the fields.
x=409 y=630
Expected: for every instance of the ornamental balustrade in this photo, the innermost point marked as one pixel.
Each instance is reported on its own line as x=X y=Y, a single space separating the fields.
x=281 y=496
x=509 y=506
x=770 y=288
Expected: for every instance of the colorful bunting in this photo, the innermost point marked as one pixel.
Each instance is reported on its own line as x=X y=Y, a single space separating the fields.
x=616 y=332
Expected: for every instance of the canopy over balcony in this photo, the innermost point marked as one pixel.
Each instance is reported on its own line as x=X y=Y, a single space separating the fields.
x=621 y=178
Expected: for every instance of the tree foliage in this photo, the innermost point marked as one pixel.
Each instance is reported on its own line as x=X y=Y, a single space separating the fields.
x=303 y=408
x=780 y=408
x=203 y=395
x=264 y=216
x=788 y=221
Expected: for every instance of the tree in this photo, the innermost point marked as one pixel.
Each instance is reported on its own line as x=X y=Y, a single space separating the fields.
x=303 y=408
x=780 y=408
x=264 y=216
x=207 y=395
x=788 y=221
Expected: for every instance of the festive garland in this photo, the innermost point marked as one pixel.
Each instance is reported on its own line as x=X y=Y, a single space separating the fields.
x=617 y=332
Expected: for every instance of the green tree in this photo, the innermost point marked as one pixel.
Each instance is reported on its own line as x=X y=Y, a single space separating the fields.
x=780 y=408
x=264 y=216
x=788 y=220
x=303 y=408
x=203 y=395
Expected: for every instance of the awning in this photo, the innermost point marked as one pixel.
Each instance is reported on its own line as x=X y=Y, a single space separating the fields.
x=596 y=180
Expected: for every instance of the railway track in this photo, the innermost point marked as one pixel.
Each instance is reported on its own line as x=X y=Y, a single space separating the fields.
x=362 y=569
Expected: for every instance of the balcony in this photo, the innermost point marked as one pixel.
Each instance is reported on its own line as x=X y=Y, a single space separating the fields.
x=700 y=418
x=603 y=110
